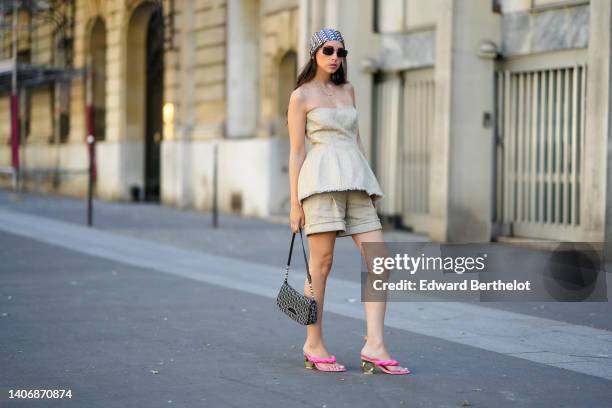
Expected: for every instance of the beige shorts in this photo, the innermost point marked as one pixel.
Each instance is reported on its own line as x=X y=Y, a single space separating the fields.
x=347 y=212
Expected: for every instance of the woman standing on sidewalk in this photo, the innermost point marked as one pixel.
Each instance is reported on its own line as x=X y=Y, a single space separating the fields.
x=333 y=189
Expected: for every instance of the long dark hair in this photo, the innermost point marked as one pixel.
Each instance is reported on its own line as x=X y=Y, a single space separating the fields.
x=308 y=73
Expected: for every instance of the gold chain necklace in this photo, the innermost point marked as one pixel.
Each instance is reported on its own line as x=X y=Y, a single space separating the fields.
x=323 y=89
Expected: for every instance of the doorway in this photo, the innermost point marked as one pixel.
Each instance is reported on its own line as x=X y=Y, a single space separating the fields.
x=541 y=113
x=154 y=102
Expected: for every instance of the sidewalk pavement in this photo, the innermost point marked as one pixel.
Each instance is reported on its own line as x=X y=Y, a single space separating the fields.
x=252 y=240
x=85 y=306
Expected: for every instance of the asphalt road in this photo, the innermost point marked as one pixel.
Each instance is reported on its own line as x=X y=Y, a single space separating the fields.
x=169 y=334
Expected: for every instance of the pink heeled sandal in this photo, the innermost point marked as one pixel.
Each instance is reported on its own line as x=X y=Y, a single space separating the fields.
x=312 y=362
x=368 y=364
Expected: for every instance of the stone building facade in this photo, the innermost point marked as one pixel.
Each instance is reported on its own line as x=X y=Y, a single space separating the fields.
x=482 y=119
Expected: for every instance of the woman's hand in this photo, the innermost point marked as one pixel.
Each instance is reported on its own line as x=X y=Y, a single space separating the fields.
x=296 y=217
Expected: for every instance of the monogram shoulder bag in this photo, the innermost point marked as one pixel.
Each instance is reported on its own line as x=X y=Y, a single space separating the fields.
x=294 y=304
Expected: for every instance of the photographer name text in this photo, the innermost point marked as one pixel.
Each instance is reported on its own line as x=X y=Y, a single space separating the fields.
x=433 y=285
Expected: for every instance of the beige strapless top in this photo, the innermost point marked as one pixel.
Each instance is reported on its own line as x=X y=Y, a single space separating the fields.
x=334 y=161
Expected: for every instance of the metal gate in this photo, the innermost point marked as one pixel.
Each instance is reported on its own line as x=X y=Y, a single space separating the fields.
x=540 y=155
x=415 y=147
x=387 y=105
x=404 y=127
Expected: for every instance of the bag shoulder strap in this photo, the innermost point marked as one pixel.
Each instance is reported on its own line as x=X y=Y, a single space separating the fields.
x=305 y=260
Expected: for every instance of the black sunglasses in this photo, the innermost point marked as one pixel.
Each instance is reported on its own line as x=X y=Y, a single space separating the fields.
x=329 y=50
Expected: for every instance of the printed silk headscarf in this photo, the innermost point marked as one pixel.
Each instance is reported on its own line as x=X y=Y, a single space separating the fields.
x=323 y=35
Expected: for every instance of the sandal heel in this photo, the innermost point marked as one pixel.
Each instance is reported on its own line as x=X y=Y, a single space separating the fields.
x=367 y=367
x=311 y=362
x=308 y=364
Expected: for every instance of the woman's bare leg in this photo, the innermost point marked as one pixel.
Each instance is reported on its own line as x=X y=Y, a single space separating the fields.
x=321 y=247
x=375 y=311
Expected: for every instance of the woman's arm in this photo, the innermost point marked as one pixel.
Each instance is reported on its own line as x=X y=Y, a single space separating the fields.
x=296 y=118
x=352 y=92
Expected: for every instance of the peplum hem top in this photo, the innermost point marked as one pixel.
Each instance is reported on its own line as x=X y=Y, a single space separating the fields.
x=334 y=162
